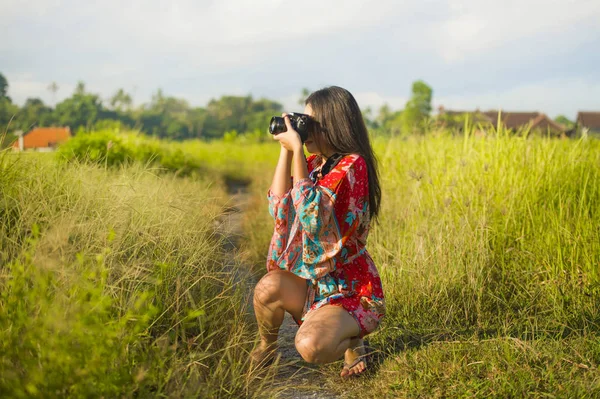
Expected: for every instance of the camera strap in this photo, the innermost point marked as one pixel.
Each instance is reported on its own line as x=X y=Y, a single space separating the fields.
x=331 y=162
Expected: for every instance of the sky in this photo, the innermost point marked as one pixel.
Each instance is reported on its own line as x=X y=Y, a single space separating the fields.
x=525 y=55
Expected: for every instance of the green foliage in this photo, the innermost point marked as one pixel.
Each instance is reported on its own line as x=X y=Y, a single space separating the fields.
x=8 y=113
x=418 y=108
x=167 y=117
x=303 y=96
x=241 y=114
x=110 y=148
x=386 y=123
x=230 y=137
x=3 y=87
x=563 y=120
x=112 y=285
x=67 y=341
x=80 y=110
x=105 y=148
x=33 y=113
x=163 y=117
x=6 y=140
x=456 y=123
x=413 y=119
x=498 y=368
x=121 y=101
x=109 y=124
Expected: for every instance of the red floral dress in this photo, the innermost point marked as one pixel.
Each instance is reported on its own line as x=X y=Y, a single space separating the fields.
x=320 y=235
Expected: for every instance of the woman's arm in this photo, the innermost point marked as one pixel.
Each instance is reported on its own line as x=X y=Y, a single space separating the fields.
x=281 y=179
x=290 y=141
x=300 y=167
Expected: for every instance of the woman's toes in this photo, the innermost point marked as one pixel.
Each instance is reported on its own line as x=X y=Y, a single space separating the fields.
x=359 y=368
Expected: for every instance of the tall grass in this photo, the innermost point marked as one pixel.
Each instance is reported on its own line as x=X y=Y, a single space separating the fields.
x=219 y=161
x=497 y=234
x=489 y=251
x=114 y=283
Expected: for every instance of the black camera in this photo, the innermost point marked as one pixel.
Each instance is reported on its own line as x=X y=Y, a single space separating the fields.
x=300 y=123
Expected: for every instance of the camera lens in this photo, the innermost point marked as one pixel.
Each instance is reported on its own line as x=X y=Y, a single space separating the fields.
x=277 y=125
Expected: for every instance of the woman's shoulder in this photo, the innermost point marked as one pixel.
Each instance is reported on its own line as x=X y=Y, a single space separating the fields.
x=354 y=160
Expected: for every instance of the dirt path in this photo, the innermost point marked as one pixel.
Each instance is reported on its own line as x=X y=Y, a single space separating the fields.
x=298 y=379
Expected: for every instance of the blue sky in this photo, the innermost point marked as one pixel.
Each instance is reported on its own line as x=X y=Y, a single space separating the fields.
x=527 y=55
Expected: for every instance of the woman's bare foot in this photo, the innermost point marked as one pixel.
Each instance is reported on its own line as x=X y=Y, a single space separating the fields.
x=354 y=360
x=263 y=355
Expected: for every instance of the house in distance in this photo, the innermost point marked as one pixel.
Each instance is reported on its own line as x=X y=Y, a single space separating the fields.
x=42 y=139
x=588 y=123
x=535 y=122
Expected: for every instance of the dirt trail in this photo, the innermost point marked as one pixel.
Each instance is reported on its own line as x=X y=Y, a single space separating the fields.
x=299 y=379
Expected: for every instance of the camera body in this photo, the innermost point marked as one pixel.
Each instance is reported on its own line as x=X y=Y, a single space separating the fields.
x=300 y=123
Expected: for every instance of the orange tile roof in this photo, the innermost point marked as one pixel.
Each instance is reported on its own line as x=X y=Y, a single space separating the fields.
x=42 y=137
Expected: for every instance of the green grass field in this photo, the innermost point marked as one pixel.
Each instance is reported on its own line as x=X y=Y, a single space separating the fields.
x=113 y=279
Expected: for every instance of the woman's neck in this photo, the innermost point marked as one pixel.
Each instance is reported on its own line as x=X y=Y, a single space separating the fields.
x=326 y=156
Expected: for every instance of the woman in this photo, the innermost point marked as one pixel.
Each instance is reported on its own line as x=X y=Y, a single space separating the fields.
x=318 y=268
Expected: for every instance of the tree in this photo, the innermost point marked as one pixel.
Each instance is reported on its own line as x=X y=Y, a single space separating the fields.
x=303 y=96
x=418 y=108
x=80 y=88
x=387 y=122
x=260 y=113
x=367 y=115
x=121 y=101
x=8 y=110
x=226 y=114
x=167 y=117
x=33 y=113
x=82 y=109
x=3 y=87
x=53 y=88
x=563 y=120
x=384 y=115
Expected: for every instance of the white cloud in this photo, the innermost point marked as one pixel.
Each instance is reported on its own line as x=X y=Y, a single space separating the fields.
x=204 y=49
x=476 y=25
x=376 y=100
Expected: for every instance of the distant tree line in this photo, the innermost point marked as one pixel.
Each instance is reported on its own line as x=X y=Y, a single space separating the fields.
x=173 y=118
x=164 y=116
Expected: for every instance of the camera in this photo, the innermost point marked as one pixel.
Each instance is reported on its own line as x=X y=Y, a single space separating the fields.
x=300 y=123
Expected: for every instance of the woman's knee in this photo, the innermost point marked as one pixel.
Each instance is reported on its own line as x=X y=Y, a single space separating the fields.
x=307 y=347
x=312 y=348
x=268 y=288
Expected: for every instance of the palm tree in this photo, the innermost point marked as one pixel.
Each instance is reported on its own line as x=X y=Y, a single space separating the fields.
x=53 y=88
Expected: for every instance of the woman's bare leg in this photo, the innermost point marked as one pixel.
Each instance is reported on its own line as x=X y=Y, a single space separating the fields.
x=277 y=292
x=329 y=333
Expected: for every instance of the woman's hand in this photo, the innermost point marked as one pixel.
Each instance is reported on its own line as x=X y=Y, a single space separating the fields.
x=290 y=139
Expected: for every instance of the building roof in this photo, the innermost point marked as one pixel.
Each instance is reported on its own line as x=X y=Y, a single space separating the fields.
x=43 y=137
x=589 y=119
x=512 y=120
x=545 y=123
x=515 y=120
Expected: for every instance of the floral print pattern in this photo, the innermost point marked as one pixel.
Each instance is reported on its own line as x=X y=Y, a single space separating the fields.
x=320 y=234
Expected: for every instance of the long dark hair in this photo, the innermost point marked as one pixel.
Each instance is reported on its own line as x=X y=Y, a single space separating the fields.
x=340 y=125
